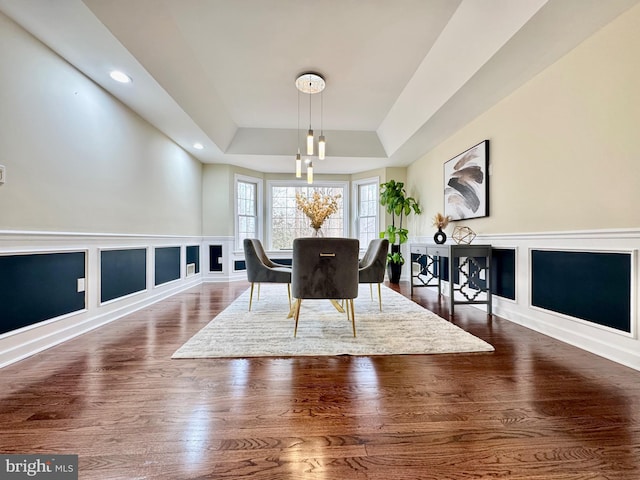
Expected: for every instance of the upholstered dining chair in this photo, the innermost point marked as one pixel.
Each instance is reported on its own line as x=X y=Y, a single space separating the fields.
x=260 y=269
x=373 y=264
x=325 y=268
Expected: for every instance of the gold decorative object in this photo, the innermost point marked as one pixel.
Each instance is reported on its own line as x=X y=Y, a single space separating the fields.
x=318 y=208
x=463 y=235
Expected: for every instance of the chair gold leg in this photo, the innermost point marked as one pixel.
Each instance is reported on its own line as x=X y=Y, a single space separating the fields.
x=297 y=314
x=338 y=306
x=250 y=296
x=289 y=294
x=292 y=309
x=353 y=316
x=379 y=297
x=258 y=292
x=371 y=290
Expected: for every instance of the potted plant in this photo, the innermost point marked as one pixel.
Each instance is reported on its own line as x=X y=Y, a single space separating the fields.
x=397 y=204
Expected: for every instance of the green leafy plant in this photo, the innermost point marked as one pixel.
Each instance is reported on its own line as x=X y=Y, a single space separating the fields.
x=397 y=204
x=395 y=258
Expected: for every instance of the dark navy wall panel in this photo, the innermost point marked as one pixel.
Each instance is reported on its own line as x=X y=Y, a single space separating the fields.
x=503 y=275
x=122 y=272
x=215 y=252
x=167 y=264
x=193 y=256
x=38 y=287
x=591 y=286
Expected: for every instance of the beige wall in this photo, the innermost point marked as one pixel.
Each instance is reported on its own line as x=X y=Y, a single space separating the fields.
x=565 y=147
x=217 y=200
x=77 y=159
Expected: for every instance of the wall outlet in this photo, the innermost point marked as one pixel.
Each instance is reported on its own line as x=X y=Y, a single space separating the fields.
x=80 y=285
x=3 y=174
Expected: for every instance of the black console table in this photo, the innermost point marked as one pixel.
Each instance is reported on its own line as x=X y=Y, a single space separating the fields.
x=426 y=271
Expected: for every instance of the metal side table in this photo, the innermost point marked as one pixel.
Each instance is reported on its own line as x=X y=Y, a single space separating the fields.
x=471 y=264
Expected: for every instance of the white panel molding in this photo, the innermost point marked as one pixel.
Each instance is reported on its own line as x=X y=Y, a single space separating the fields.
x=612 y=233
x=228 y=256
x=29 y=340
x=618 y=346
x=609 y=343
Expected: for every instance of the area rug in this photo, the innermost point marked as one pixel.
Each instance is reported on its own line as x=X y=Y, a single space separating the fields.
x=403 y=327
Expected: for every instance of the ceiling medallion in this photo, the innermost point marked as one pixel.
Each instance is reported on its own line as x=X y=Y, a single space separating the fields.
x=310 y=83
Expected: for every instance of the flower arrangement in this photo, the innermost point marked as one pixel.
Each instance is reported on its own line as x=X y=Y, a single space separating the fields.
x=440 y=221
x=318 y=208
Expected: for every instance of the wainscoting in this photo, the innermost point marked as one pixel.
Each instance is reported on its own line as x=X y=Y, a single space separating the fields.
x=578 y=287
x=55 y=286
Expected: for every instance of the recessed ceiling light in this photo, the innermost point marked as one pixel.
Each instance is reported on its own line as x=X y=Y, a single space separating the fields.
x=198 y=146
x=119 y=76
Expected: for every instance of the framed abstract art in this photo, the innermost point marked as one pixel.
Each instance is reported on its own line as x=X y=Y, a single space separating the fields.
x=466 y=183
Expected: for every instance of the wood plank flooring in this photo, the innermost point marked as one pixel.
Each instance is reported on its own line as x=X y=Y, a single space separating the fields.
x=534 y=409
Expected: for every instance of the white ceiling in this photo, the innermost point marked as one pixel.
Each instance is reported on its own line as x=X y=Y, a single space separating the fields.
x=401 y=75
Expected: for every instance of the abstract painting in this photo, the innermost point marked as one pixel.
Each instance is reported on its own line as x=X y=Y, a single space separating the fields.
x=466 y=183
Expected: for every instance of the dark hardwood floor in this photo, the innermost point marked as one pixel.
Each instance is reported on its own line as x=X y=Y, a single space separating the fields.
x=534 y=409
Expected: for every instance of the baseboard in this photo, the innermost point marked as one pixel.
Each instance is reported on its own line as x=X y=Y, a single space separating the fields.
x=601 y=345
x=27 y=342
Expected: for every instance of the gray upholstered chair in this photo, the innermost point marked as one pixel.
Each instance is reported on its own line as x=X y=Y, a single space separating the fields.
x=260 y=269
x=373 y=265
x=325 y=268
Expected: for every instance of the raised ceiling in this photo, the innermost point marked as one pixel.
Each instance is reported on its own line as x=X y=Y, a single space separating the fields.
x=401 y=75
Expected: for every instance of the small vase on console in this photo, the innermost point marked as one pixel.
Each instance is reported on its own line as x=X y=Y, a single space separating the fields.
x=440 y=237
x=440 y=221
x=317 y=232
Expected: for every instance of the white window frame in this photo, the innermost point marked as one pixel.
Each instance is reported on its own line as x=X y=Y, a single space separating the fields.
x=356 y=184
x=302 y=183
x=259 y=207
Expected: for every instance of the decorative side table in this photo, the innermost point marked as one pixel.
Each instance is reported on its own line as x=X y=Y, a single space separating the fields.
x=471 y=264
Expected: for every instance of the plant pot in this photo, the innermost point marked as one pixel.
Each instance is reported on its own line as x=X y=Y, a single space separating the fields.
x=394 y=270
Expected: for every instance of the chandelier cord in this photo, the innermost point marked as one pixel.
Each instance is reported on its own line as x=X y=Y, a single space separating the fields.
x=310 y=89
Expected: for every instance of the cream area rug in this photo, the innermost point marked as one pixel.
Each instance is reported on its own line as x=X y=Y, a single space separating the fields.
x=403 y=327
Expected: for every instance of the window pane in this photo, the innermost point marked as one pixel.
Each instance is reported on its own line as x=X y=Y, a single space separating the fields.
x=288 y=222
x=367 y=212
x=246 y=201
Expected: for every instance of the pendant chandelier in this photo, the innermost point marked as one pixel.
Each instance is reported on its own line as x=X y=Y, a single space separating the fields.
x=310 y=84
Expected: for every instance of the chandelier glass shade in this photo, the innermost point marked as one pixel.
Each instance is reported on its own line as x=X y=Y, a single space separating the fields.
x=310 y=173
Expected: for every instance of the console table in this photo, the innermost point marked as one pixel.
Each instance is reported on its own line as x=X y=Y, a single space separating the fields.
x=474 y=276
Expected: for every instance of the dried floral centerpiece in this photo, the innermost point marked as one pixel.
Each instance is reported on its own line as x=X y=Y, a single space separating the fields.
x=440 y=221
x=318 y=208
